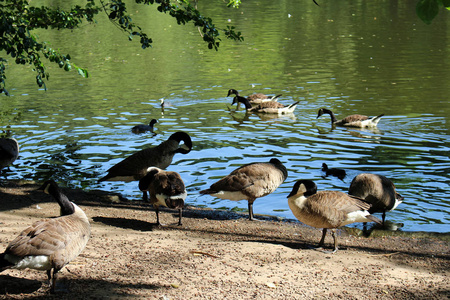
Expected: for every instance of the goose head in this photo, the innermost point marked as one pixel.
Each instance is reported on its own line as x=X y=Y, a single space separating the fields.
x=182 y=136
x=232 y=92
x=304 y=188
x=322 y=111
x=51 y=187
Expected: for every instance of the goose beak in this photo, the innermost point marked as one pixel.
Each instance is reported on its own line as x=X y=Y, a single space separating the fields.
x=186 y=147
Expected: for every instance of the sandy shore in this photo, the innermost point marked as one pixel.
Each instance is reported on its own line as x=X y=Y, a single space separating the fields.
x=219 y=255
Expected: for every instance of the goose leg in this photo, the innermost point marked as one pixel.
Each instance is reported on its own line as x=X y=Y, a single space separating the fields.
x=53 y=280
x=333 y=233
x=49 y=276
x=144 y=196
x=322 y=240
x=157 y=215
x=250 y=211
x=180 y=216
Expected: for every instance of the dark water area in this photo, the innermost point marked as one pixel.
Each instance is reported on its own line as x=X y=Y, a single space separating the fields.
x=351 y=57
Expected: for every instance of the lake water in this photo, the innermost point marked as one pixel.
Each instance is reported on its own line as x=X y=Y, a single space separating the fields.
x=351 y=57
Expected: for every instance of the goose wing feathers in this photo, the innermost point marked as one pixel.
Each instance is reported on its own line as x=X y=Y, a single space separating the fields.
x=334 y=206
x=51 y=238
x=138 y=163
x=255 y=179
x=168 y=183
x=352 y=118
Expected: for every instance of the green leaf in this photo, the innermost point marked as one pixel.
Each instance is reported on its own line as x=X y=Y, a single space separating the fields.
x=446 y=4
x=427 y=10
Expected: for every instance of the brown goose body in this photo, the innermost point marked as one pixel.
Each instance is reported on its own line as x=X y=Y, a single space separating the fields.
x=9 y=151
x=49 y=244
x=376 y=189
x=269 y=107
x=249 y=182
x=360 y=121
x=327 y=209
x=166 y=188
x=255 y=98
x=136 y=166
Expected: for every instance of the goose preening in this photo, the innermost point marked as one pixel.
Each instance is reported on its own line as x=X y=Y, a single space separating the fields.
x=339 y=173
x=255 y=98
x=269 y=107
x=9 y=151
x=141 y=128
x=138 y=164
x=52 y=243
x=377 y=190
x=352 y=120
x=327 y=209
x=166 y=188
x=249 y=182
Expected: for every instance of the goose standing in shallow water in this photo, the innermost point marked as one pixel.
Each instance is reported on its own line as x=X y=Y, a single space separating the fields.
x=9 y=151
x=144 y=128
x=360 y=121
x=256 y=98
x=327 y=209
x=166 y=188
x=249 y=182
x=377 y=190
x=138 y=164
x=49 y=244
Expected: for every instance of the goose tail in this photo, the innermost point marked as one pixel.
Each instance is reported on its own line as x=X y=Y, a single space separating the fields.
x=374 y=219
x=275 y=98
x=376 y=119
x=4 y=264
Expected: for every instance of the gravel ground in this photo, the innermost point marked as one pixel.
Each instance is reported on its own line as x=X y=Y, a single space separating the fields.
x=219 y=255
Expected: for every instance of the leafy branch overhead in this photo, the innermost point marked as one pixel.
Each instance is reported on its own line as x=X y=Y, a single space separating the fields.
x=19 y=19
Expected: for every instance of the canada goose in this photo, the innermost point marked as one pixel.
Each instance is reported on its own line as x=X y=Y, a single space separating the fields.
x=255 y=98
x=377 y=190
x=52 y=243
x=269 y=107
x=166 y=188
x=141 y=128
x=137 y=165
x=249 y=182
x=9 y=151
x=352 y=120
x=339 y=173
x=327 y=209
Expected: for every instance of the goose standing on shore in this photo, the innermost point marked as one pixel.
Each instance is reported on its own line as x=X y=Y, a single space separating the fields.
x=377 y=190
x=141 y=128
x=327 y=209
x=49 y=244
x=360 y=121
x=9 y=151
x=166 y=188
x=249 y=182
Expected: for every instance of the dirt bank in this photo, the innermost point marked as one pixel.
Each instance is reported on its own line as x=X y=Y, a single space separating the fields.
x=218 y=255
